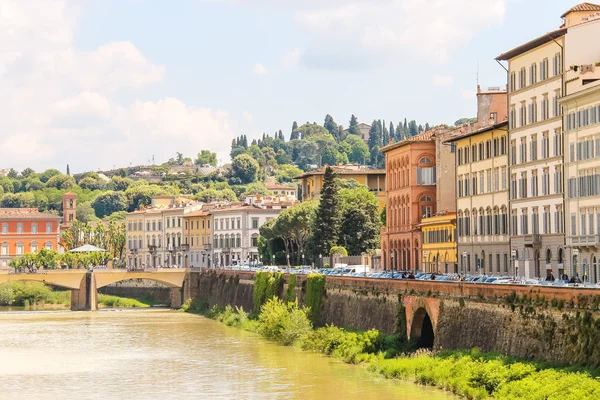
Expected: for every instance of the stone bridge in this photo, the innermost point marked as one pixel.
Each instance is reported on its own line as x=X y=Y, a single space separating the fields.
x=84 y=284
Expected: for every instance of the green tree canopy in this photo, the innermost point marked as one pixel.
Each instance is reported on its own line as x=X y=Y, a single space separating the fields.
x=60 y=181
x=109 y=202
x=206 y=157
x=245 y=168
x=327 y=222
x=360 y=226
x=358 y=151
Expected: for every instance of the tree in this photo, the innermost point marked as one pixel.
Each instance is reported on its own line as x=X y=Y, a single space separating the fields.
x=294 y=135
x=206 y=157
x=327 y=221
x=85 y=212
x=60 y=181
x=245 y=168
x=358 y=151
x=392 y=132
x=413 y=129
x=140 y=194
x=109 y=202
x=68 y=170
x=27 y=172
x=120 y=184
x=386 y=135
x=307 y=130
x=338 y=251
x=332 y=127
x=353 y=127
x=12 y=173
x=286 y=173
x=361 y=221
x=257 y=188
x=49 y=173
x=91 y=183
x=375 y=135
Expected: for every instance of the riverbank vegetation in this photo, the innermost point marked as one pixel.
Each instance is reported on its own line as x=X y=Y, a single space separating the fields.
x=469 y=373
x=25 y=294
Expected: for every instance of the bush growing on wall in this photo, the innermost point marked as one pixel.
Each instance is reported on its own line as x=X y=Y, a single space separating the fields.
x=315 y=286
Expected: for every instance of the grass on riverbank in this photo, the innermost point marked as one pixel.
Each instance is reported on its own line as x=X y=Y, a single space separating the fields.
x=17 y=293
x=470 y=374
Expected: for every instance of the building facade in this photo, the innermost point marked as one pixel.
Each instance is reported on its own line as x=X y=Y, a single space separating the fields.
x=155 y=235
x=198 y=235
x=535 y=71
x=283 y=191
x=375 y=179
x=483 y=241
x=236 y=231
x=581 y=121
x=26 y=230
x=411 y=196
x=439 y=243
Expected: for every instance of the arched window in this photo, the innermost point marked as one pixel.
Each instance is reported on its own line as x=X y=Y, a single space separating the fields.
x=4 y=250
x=425 y=199
x=425 y=160
x=238 y=241
x=34 y=227
x=19 y=248
x=5 y=228
x=34 y=247
x=254 y=240
x=20 y=228
x=548 y=256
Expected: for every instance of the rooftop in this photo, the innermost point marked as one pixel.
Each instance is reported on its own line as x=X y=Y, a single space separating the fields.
x=280 y=187
x=477 y=131
x=426 y=136
x=27 y=213
x=348 y=169
x=532 y=44
x=582 y=7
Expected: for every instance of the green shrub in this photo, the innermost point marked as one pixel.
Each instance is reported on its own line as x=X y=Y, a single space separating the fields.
x=315 y=287
x=290 y=294
x=7 y=294
x=119 y=302
x=284 y=323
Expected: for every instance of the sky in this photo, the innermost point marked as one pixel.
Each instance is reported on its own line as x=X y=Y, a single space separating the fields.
x=102 y=83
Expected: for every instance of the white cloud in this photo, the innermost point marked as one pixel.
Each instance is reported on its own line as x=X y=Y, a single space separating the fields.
x=347 y=34
x=291 y=57
x=60 y=105
x=442 y=80
x=260 y=69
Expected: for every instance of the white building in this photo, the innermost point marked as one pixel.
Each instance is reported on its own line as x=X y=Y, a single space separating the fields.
x=236 y=231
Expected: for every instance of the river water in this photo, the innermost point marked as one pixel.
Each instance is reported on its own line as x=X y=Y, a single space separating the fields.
x=163 y=354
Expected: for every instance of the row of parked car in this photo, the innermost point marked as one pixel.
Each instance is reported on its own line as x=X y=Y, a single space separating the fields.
x=475 y=279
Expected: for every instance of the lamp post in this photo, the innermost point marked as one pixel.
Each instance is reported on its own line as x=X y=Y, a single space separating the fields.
x=393 y=255
x=320 y=260
x=425 y=261
x=513 y=256
x=302 y=257
x=273 y=259
x=462 y=265
x=288 y=260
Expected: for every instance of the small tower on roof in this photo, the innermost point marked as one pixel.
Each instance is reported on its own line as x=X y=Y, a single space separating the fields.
x=69 y=208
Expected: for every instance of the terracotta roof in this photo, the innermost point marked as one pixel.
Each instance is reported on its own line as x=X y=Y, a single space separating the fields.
x=532 y=44
x=280 y=187
x=201 y=213
x=70 y=194
x=582 y=7
x=344 y=170
x=478 y=131
x=26 y=213
x=426 y=136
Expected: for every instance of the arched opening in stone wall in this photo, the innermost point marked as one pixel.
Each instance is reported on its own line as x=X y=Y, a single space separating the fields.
x=422 y=329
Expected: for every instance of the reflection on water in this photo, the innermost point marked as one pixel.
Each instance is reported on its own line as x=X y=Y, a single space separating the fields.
x=159 y=354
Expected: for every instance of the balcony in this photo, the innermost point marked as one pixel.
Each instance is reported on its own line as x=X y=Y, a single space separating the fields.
x=585 y=241
x=533 y=240
x=207 y=246
x=152 y=248
x=183 y=248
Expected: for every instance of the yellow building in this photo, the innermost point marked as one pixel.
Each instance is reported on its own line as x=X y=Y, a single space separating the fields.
x=197 y=234
x=439 y=244
x=312 y=181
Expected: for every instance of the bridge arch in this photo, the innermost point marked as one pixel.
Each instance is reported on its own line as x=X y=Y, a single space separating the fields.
x=422 y=329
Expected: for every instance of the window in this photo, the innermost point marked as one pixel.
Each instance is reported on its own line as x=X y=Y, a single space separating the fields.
x=48 y=245
x=522 y=78
x=534 y=183
x=254 y=223
x=148 y=226
x=426 y=176
x=496 y=179
x=34 y=247
x=533 y=148
x=504 y=175
x=524 y=222
x=513 y=81
x=48 y=227
x=5 y=248
x=573 y=226
x=425 y=160
x=556 y=64
x=545 y=145
x=512 y=121
x=533 y=74
x=20 y=228
x=254 y=240
x=19 y=248
x=545 y=111
x=544 y=69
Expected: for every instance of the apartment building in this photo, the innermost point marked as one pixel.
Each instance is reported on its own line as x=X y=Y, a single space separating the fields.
x=411 y=196
x=581 y=120
x=26 y=230
x=535 y=71
x=198 y=235
x=482 y=199
x=236 y=230
x=155 y=235
x=439 y=243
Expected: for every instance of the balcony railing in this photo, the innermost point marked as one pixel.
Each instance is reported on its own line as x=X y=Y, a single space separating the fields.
x=533 y=240
x=207 y=246
x=586 y=241
x=183 y=247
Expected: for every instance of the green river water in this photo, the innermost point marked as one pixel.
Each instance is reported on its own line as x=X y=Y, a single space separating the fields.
x=163 y=354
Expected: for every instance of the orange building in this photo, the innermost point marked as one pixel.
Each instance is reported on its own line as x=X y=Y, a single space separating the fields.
x=411 y=196
x=26 y=230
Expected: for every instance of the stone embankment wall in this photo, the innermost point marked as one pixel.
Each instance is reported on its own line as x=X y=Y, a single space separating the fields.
x=540 y=323
x=138 y=288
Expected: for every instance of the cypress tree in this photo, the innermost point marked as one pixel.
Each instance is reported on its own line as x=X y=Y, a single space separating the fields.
x=294 y=134
x=353 y=128
x=68 y=170
x=327 y=223
x=392 y=132
x=386 y=135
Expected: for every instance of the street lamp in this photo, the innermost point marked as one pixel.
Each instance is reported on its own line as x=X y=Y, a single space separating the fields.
x=462 y=265
x=513 y=256
x=320 y=260
x=425 y=261
x=393 y=254
x=288 y=260
x=302 y=257
x=273 y=259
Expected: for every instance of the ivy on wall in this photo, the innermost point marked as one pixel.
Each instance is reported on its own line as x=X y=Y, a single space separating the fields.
x=315 y=288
